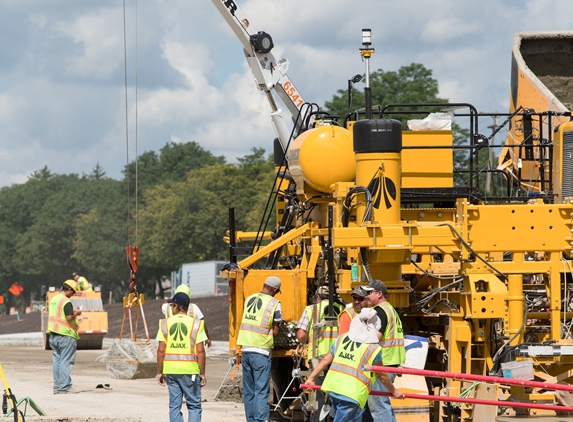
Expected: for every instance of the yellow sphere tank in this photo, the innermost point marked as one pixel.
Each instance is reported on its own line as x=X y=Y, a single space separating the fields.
x=321 y=157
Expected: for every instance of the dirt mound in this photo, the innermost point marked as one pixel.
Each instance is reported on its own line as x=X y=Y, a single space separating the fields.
x=214 y=308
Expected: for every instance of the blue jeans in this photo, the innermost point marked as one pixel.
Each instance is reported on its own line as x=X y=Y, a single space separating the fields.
x=63 y=359
x=345 y=411
x=256 y=386
x=380 y=406
x=180 y=385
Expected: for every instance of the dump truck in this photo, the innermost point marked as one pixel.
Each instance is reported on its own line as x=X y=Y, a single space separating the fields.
x=484 y=276
x=93 y=323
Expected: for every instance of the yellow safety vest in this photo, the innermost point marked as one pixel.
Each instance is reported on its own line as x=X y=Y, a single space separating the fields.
x=392 y=343
x=346 y=375
x=257 y=324
x=57 y=321
x=84 y=285
x=325 y=336
x=181 y=334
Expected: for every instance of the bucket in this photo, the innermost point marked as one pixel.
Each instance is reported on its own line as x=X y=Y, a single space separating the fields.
x=416 y=352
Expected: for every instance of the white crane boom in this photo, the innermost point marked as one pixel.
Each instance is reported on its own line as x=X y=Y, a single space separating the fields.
x=269 y=73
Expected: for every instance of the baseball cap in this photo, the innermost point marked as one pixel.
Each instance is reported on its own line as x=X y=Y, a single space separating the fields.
x=180 y=299
x=273 y=282
x=376 y=285
x=358 y=291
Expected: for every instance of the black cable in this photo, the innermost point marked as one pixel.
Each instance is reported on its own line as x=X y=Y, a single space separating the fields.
x=502 y=275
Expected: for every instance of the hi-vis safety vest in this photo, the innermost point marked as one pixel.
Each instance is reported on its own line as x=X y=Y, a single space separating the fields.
x=181 y=334
x=57 y=321
x=346 y=376
x=84 y=285
x=325 y=336
x=257 y=324
x=349 y=311
x=392 y=343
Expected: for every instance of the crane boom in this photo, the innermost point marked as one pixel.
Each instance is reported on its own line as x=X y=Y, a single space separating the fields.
x=268 y=72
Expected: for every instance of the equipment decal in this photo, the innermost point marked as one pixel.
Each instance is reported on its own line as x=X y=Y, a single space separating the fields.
x=293 y=94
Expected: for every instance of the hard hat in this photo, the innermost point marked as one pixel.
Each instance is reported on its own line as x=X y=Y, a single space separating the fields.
x=71 y=284
x=183 y=288
x=322 y=291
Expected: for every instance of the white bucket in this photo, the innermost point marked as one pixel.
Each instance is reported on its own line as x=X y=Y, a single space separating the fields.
x=416 y=352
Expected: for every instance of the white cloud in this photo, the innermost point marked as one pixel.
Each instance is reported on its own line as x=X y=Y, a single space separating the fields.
x=97 y=37
x=62 y=98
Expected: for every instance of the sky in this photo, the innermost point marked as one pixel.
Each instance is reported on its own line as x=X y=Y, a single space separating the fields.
x=64 y=102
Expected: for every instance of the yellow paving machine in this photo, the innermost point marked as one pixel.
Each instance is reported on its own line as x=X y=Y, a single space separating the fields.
x=483 y=275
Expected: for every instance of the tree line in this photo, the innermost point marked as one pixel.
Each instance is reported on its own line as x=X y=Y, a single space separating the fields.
x=55 y=224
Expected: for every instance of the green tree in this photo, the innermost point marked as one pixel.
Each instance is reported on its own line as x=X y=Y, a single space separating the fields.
x=410 y=84
x=172 y=164
x=186 y=221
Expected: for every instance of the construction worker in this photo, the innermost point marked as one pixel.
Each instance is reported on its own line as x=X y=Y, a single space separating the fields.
x=194 y=311
x=351 y=310
x=319 y=337
x=262 y=315
x=181 y=359
x=63 y=331
x=83 y=284
x=391 y=338
x=346 y=382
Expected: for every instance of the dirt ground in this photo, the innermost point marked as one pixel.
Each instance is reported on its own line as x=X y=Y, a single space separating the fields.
x=28 y=370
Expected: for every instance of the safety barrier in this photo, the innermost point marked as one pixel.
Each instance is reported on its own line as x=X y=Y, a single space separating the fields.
x=464 y=400
x=470 y=377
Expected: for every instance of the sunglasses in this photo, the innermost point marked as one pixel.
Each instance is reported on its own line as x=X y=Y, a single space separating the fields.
x=357 y=299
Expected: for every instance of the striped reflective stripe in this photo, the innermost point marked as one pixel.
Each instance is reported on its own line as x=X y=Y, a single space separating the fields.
x=255 y=328
x=59 y=320
x=355 y=372
x=265 y=325
x=182 y=357
x=391 y=341
x=323 y=333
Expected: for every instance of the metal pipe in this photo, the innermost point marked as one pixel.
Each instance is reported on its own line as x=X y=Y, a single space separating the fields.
x=463 y=400
x=470 y=377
